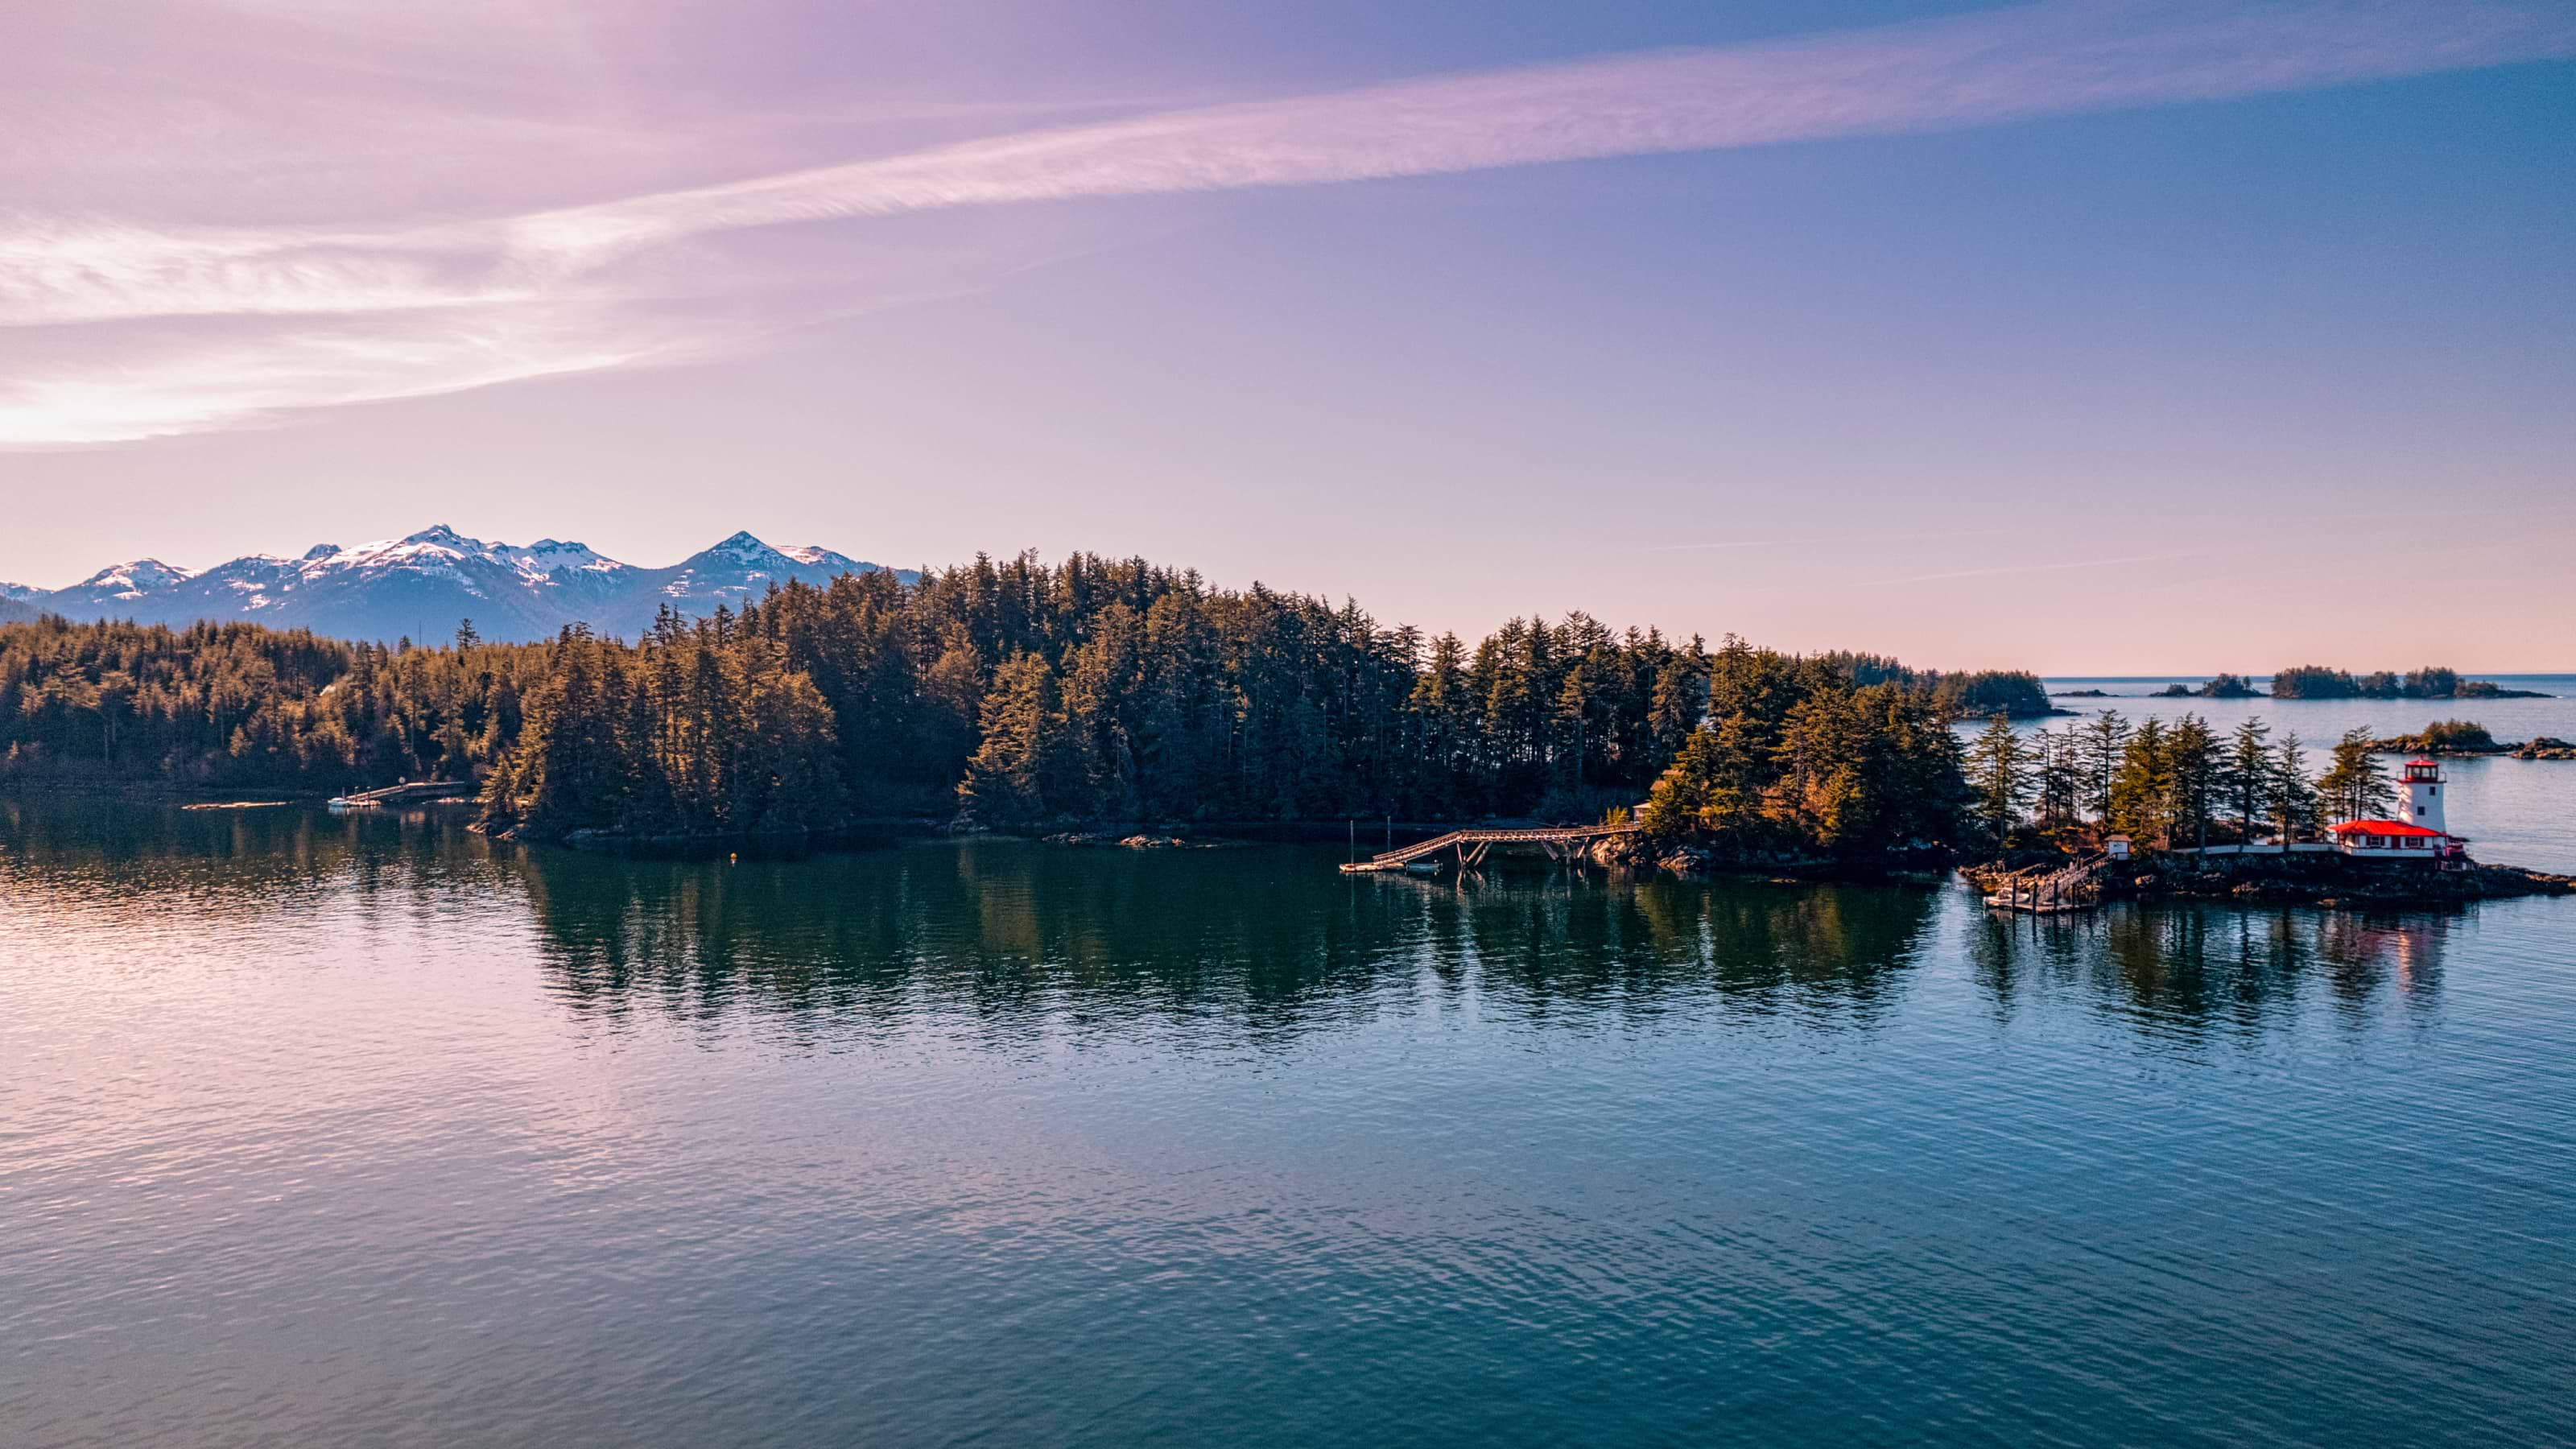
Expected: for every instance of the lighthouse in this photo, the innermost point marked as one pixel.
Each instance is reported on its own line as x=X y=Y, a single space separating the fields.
x=2418 y=832
x=2419 y=795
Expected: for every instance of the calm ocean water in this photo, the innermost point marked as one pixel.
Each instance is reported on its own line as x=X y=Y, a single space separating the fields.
x=365 y=1131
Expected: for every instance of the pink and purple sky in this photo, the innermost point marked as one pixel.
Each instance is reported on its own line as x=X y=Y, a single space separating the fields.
x=2083 y=335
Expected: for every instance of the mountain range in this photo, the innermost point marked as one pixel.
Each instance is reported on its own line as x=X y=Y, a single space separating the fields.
x=422 y=585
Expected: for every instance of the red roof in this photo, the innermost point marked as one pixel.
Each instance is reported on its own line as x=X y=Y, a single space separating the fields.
x=2381 y=827
x=2420 y=760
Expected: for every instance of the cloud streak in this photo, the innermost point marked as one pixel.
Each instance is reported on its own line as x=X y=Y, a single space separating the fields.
x=549 y=291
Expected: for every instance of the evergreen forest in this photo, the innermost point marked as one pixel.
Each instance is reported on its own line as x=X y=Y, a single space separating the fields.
x=1016 y=694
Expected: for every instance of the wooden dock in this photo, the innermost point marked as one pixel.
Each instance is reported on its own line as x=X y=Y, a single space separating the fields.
x=1558 y=842
x=2042 y=892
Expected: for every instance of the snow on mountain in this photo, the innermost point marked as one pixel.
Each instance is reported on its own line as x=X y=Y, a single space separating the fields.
x=134 y=580
x=15 y=593
x=742 y=568
x=422 y=584
x=739 y=563
x=815 y=556
x=555 y=561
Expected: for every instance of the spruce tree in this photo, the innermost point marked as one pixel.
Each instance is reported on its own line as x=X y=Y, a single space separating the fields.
x=2355 y=785
x=1022 y=758
x=2247 y=779
x=2295 y=809
x=2106 y=744
x=1998 y=771
x=2141 y=801
x=2193 y=767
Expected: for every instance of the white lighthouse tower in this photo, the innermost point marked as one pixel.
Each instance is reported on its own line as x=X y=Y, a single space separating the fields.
x=2419 y=795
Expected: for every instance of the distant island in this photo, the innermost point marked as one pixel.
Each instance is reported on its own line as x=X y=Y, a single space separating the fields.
x=2468 y=737
x=2224 y=686
x=2313 y=681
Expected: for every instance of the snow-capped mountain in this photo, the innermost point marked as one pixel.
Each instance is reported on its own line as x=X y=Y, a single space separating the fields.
x=140 y=579
x=422 y=585
x=743 y=567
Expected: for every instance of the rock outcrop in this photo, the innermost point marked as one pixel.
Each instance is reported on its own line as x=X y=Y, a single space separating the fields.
x=2317 y=880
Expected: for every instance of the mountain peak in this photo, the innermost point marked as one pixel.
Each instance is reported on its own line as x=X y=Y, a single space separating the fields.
x=319 y=552
x=142 y=576
x=549 y=557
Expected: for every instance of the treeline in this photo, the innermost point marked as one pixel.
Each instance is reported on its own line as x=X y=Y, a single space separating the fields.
x=2316 y=681
x=2168 y=785
x=239 y=706
x=1017 y=693
x=1796 y=756
x=1013 y=693
x=1009 y=691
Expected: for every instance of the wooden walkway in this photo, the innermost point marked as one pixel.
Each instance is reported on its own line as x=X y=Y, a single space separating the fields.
x=360 y=800
x=1560 y=842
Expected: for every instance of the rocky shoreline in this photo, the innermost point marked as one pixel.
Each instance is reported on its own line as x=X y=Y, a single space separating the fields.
x=2541 y=747
x=2326 y=880
x=1925 y=866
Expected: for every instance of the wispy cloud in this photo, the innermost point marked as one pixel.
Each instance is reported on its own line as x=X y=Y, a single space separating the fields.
x=469 y=302
x=1915 y=536
x=2046 y=566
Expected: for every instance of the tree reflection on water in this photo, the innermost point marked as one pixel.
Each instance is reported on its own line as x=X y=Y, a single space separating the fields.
x=1270 y=935
x=1268 y=939
x=2212 y=964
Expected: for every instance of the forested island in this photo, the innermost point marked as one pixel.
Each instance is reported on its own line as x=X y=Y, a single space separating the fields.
x=1018 y=695
x=2174 y=790
x=2315 y=681
x=1005 y=694
x=2223 y=686
x=2468 y=737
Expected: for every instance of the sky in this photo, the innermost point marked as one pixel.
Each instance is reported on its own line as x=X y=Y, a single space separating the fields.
x=2088 y=336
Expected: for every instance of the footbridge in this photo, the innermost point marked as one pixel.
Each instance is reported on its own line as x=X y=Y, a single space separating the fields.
x=361 y=799
x=1558 y=842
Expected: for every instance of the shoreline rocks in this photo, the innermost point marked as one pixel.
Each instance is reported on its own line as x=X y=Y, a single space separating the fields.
x=2541 y=747
x=2321 y=880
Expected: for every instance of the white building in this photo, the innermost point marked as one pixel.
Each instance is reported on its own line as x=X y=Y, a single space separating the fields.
x=2417 y=833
